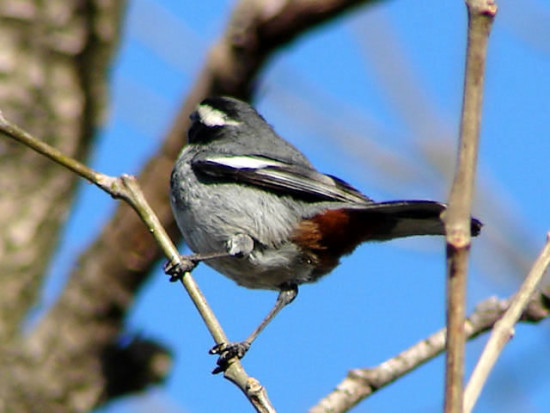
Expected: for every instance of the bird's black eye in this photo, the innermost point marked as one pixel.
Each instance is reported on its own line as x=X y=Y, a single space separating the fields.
x=194 y=131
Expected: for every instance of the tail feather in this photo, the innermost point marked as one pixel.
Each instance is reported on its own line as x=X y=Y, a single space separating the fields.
x=398 y=219
x=338 y=232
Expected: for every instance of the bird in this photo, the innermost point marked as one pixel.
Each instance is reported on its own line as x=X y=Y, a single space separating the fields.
x=250 y=205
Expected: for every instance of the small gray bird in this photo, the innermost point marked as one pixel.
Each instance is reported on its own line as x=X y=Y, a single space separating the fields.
x=251 y=206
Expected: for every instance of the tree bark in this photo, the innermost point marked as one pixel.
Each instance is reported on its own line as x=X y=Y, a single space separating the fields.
x=54 y=60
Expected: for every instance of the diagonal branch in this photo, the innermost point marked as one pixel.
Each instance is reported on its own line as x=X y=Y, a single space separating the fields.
x=361 y=383
x=504 y=328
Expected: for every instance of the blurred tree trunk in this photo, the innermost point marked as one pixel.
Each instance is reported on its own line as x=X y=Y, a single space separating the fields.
x=54 y=60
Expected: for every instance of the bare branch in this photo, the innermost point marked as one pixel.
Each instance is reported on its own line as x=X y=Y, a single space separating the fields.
x=361 y=383
x=504 y=328
x=457 y=217
x=18 y=134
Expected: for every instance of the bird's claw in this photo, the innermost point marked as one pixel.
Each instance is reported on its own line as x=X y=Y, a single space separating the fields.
x=176 y=270
x=228 y=352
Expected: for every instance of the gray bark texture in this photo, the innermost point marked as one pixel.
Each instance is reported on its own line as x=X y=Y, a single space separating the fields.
x=54 y=58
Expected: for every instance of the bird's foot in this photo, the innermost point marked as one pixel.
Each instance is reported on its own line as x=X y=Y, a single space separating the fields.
x=176 y=270
x=228 y=352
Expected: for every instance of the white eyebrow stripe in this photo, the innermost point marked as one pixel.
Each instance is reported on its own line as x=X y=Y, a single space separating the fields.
x=249 y=162
x=214 y=117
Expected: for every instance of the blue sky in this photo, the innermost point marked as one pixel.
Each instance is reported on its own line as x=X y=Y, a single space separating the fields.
x=369 y=98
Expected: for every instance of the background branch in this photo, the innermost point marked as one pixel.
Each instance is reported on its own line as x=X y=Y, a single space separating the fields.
x=504 y=328
x=361 y=383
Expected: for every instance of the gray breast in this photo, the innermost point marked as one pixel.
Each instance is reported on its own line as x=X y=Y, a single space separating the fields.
x=209 y=214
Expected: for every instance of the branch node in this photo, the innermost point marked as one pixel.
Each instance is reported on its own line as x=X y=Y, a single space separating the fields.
x=253 y=386
x=459 y=238
x=487 y=8
x=368 y=376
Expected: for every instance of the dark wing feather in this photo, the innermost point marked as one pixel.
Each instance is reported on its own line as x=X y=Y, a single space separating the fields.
x=277 y=176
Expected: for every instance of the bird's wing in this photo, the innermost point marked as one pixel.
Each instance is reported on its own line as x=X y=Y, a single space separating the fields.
x=277 y=176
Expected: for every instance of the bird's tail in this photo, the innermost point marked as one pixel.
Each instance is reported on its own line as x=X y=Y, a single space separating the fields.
x=398 y=219
x=338 y=232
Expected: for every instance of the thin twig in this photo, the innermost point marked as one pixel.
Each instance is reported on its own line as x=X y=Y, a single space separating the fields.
x=503 y=330
x=127 y=188
x=457 y=219
x=361 y=383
